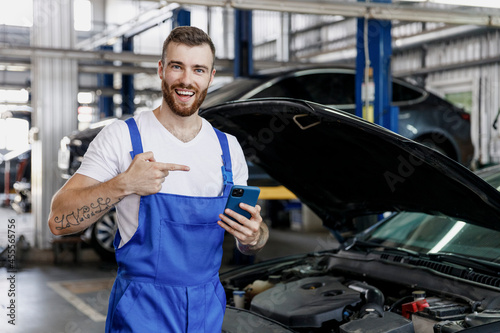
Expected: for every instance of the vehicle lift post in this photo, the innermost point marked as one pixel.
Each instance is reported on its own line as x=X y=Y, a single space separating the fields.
x=105 y=81
x=243 y=50
x=181 y=17
x=128 y=90
x=373 y=72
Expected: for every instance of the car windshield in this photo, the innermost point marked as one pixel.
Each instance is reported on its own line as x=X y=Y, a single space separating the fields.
x=426 y=233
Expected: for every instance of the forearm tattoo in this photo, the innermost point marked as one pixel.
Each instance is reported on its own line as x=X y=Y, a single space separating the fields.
x=84 y=213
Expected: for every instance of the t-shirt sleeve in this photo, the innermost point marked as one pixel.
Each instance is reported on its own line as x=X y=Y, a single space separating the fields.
x=106 y=153
x=238 y=161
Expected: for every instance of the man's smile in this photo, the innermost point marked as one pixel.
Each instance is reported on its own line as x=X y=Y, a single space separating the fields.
x=184 y=94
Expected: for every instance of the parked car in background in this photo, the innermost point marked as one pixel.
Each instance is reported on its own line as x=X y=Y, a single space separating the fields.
x=432 y=265
x=423 y=116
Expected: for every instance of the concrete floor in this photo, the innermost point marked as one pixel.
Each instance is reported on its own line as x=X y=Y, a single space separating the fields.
x=73 y=298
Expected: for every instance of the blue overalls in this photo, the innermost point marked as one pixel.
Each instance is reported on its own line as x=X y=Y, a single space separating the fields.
x=168 y=272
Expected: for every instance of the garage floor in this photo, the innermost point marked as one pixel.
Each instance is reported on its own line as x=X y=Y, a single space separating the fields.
x=42 y=297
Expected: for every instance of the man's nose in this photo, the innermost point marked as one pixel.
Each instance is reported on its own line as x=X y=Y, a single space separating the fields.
x=186 y=77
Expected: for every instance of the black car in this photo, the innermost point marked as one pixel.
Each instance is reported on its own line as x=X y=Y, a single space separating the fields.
x=423 y=116
x=431 y=265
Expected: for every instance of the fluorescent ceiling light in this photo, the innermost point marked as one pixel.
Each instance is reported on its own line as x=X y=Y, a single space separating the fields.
x=476 y=3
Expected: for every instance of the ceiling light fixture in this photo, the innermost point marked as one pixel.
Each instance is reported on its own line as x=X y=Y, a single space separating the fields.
x=476 y=3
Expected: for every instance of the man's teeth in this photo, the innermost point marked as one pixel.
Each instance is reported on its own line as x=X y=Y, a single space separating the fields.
x=185 y=93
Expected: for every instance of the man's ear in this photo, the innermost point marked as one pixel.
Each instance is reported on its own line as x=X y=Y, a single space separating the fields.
x=160 y=69
x=212 y=77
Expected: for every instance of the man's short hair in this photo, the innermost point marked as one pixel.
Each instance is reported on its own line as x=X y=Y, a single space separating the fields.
x=190 y=36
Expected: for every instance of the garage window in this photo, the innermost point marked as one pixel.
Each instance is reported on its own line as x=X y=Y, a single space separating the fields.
x=17 y=13
x=82 y=15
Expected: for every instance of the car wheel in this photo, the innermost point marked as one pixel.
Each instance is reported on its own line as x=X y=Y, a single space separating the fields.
x=103 y=234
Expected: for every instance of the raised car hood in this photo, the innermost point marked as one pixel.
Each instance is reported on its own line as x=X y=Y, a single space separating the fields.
x=342 y=166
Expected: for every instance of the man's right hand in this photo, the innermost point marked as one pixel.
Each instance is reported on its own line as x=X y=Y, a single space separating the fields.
x=145 y=176
x=83 y=200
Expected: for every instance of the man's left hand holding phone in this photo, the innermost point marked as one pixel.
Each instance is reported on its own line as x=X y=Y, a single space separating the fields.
x=242 y=219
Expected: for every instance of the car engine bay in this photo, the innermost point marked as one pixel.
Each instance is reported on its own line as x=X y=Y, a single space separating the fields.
x=320 y=293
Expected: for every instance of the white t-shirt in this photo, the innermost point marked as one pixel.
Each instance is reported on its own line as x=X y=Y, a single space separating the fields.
x=109 y=155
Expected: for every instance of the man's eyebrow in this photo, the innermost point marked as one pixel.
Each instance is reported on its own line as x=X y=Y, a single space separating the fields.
x=201 y=66
x=175 y=62
x=178 y=62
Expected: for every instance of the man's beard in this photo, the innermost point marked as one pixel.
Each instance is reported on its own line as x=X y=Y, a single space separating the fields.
x=177 y=108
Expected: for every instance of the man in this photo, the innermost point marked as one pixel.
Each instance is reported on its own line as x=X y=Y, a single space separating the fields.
x=168 y=172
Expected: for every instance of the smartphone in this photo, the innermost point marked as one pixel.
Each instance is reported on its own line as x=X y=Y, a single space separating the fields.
x=245 y=194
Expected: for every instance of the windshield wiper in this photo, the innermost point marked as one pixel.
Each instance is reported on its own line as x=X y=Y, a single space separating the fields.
x=476 y=264
x=380 y=248
x=468 y=262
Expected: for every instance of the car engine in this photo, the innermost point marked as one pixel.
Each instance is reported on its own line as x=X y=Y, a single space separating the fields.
x=314 y=297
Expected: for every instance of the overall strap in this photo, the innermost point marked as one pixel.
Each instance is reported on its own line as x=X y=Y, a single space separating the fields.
x=135 y=137
x=227 y=171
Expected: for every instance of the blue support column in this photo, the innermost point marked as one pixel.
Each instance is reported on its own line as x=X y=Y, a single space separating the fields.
x=379 y=87
x=181 y=18
x=243 y=66
x=105 y=103
x=127 y=90
x=243 y=47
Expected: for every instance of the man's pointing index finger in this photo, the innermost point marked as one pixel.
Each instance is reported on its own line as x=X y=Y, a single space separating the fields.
x=175 y=167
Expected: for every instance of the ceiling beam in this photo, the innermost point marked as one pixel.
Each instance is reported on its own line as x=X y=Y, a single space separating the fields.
x=8 y=50
x=370 y=10
x=101 y=61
